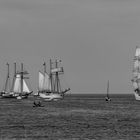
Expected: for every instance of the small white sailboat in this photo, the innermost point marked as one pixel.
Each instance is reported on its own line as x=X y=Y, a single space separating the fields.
x=49 y=84
x=107 y=98
x=136 y=74
x=20 y=89
x=6 y=90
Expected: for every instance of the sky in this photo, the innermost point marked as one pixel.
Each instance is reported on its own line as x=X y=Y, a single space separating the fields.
x=95 y=39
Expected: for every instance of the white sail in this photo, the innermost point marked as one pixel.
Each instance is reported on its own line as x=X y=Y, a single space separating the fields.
x=25 y=87
x=136 y=65
x=47 y=83
x=137 y=54
x=41 y=80
x=135 y=85
x=136 y=74
x=17 y=84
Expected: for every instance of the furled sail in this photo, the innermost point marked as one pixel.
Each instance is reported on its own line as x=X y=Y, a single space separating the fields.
x=60 y=69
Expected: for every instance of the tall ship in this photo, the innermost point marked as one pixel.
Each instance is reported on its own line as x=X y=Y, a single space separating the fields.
x=136 y=74
x=49 y=87
x=6 y=91
x=20 y=89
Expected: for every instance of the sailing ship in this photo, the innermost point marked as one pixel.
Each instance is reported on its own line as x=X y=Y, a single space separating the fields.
x=136 y=74
x=6 y=92
x=49 y=87
x=107 y=98
x=20 y=89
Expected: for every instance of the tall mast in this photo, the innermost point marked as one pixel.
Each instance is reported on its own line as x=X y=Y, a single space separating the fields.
x=7 y=80
x=57 y=82
x=15 y=70
x=56 y=76
x=14 y=77
x=108 y=89
x=51 y=74
x=21 y=78
x=44 y=67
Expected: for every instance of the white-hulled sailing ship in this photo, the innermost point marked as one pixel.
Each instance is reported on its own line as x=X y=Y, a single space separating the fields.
x=107 y=98
x=20 y=89
x=136 y=74
x=6 y=92
x=49 y=83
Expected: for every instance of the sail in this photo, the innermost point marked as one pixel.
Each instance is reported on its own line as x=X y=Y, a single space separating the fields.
x=41 y=80
x=17 y=84
x=137 y=54
x=25 y=87
x=136 y=69
x=136 y=74
x=47 y=82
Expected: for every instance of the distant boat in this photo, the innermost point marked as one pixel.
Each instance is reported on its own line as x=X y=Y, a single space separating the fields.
x=107 y=98
x=136 y=74
x=49 y=84
x=20 y=88
x=6 y=92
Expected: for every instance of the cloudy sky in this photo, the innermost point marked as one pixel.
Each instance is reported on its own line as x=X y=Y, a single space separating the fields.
x=95 y=39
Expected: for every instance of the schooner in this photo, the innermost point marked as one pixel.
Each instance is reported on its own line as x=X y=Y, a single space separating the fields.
x=20 y=88
x=136 y=74
x=49 y=86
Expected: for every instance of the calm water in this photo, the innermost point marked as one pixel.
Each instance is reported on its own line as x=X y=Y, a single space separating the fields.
x=77 y=117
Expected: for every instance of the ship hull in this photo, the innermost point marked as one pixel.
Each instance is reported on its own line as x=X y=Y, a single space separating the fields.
x=6 y=95
x=24 y=96
x=51 y=96
x=107 y=99
x=137 y=96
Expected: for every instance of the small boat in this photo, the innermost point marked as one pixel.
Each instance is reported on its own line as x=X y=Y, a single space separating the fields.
x=20 y=88
x=49 y=84
x=136 y=74
x=107 y=98
x=37 y=104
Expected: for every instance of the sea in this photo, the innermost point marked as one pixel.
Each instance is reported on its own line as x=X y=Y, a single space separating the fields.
x=76 y=117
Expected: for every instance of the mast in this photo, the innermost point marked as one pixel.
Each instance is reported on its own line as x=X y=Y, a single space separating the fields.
x=7 y=79
x=14 y=77
x=57 y=81
x=44 y=67
x=56 y=65
x=108 y=89
x=51 y=75
x=21 y=78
